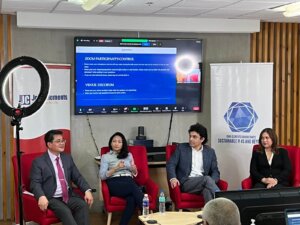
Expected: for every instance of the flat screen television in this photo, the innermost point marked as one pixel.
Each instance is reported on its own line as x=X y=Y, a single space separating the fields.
x=266 y=206
x=137 y=75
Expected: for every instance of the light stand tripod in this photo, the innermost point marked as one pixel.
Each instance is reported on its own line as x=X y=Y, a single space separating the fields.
x=18 y=113
x=16 y=121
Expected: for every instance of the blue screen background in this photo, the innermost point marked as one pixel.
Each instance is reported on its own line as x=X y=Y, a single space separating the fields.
x=125 y=79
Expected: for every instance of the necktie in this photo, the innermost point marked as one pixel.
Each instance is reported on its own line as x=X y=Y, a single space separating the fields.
x=62 y=181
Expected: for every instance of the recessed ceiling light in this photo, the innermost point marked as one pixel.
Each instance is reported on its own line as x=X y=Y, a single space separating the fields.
x=90 y=4
x=289 y=10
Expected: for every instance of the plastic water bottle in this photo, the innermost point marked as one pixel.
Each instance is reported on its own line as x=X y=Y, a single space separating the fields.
x=162 y=202
x=145 y=206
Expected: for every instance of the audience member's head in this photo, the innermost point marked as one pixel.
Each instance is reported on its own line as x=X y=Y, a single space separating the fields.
x=221 y=211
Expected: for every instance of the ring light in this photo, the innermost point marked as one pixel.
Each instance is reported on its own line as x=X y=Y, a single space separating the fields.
x=185 y=64
x=42 y=96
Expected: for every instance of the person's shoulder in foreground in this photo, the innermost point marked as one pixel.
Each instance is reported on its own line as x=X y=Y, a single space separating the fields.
x=221 y=211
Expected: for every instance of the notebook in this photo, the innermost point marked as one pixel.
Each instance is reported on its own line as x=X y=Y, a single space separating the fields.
x=292 y=216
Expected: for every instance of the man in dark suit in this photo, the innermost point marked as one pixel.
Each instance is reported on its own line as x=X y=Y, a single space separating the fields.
x=194 y=165
x=50 y=181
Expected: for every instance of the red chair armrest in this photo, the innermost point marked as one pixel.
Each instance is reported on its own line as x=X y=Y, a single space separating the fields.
x=296 y=184
x=223 y=185
x=31 y=210
x=152 y=190
x=296 y=178
x=247 y=183
x=105 y=192
x=176 y=193
x=79 y=192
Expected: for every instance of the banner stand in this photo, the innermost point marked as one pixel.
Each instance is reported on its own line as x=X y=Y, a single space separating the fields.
x=241 y=107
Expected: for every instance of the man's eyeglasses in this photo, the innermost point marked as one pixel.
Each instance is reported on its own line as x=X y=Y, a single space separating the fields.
x=62 y=141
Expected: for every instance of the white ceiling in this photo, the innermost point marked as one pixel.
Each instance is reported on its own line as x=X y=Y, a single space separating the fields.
x=219 y=9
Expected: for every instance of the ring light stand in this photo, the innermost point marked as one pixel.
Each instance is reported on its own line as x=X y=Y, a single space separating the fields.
x=18 y=113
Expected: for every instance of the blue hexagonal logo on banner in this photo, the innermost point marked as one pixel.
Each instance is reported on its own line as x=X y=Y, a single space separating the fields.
x=240 y=117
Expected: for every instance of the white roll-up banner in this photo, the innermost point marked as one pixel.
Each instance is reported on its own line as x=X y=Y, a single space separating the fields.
x=241 y=107
x=54 y=114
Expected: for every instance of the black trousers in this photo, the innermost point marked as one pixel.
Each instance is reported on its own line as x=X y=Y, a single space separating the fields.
x=126 y=187
x=74 y=212
x=262 y=185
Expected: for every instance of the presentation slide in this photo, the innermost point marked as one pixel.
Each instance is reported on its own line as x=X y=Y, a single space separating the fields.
x=125 y=76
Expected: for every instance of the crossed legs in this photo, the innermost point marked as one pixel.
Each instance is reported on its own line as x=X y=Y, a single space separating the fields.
x=202 y=184
x=125 y=187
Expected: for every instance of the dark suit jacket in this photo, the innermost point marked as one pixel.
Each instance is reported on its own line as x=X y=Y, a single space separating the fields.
x=180 y=164
x=42 y=176
x=280 y=167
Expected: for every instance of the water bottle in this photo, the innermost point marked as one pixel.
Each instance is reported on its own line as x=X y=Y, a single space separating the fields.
x=162 y=202
x=252 y=222
x=145 y=206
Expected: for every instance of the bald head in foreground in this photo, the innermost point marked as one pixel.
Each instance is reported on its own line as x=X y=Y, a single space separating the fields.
x=221 y=211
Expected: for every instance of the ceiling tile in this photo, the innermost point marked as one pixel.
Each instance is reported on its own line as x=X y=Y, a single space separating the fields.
x=272 y=1
x=188 y=11
x=205 y=4
x=268 y=15
x=133 y=9
x=150 y=3
x=30 y=5
x=225 y=13
x=253 y=5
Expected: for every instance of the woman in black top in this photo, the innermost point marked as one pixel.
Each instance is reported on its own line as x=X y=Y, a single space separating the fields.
x=270 y=165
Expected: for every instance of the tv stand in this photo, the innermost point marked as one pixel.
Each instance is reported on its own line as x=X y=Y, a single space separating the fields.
x=156 y=156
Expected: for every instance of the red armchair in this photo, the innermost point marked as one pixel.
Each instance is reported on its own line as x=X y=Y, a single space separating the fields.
x=30 y=206
x=31 y=210
x=114 y=204
x=186 y=200
x=294 y=155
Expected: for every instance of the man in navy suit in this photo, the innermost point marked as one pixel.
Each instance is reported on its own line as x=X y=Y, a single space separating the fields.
x=194 y=165
x=51 y=176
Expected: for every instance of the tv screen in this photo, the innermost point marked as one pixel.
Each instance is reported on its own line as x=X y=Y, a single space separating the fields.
x=265 y=206
x=137 y=75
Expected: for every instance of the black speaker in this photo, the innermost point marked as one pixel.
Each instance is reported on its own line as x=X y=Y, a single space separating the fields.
x=141 y=131
x=141 y=135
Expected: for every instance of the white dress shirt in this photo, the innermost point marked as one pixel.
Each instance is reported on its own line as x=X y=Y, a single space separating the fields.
x=197 y=163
